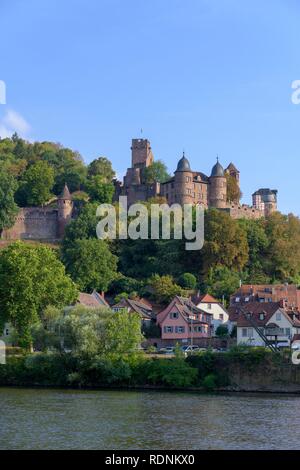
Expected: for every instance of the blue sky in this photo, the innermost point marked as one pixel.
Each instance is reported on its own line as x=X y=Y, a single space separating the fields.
x=208 y=76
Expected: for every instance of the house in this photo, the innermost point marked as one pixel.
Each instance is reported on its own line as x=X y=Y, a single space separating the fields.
x=6 y=336
x=181 y=321
x=272 y=320
x=288 y=294
x=209 y=304
x=140 y=306
x=93 y=300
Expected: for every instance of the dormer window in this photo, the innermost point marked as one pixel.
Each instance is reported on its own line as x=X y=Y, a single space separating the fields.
x=261 y=316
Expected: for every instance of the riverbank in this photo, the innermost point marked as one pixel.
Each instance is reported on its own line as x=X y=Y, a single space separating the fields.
x=238 y=371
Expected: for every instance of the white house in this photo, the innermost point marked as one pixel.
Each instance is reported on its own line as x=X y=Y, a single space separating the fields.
x=209 y=304
x=271 y=319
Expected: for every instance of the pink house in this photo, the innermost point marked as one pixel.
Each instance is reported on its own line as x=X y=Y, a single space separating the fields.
x=181 y=320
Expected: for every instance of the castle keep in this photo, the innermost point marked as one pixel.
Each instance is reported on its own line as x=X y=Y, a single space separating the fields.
x=42 y=223
x=188 y=186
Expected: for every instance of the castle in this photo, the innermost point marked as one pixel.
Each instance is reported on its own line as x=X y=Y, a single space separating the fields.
x=42 y=223
x=188 y=186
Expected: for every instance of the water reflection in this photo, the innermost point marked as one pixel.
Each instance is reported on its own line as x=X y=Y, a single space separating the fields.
x=55 y=419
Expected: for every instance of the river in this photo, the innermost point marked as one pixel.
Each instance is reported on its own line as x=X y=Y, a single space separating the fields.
x=66 y=419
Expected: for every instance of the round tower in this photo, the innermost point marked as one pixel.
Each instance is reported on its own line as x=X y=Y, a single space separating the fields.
x=184 y=186
x=65 y=208
x=218 y=187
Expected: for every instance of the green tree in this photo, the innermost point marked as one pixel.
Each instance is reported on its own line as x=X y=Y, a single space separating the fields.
x=101 y=167
x=31 y=278
x=8 y=207
x=225 y=242
x=187 y=281
x=157 y=172
x=234 y=193
x=90 y=264
x=220 y=281
x=83 y=227
x=36 y=185
x=99 y=191
x=222 y=331
x=163 y=288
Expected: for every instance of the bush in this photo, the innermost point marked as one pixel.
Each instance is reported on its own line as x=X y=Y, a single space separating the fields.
x=210 y=382
x=187 y=281
x=174 y=372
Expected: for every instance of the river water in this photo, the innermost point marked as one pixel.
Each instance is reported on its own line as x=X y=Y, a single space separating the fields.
x=59 y=419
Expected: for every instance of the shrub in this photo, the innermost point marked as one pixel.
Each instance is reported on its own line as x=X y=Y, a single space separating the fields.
x=187 y=281
x=210 y=382
x=175 y=372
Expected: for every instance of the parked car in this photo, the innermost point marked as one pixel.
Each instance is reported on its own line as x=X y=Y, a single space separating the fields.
x=167 y=350
x=190 y=349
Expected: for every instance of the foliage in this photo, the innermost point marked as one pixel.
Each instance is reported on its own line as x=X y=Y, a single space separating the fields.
x=210 y=382
x=220 y=281
x=8 y=207
x=234 y=193
x=36 y=185
x=163 y=288
x=99 y=191
x=157 y=172
x=101 y=167
x=222 y=331
x=31 y=278
x=187 y=281
x=175 y=372
x=90 y=264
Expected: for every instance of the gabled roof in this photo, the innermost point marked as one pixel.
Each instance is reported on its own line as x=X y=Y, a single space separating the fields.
x=137 y=305
x=93 y=300
x=207 y=298
x=185 y=307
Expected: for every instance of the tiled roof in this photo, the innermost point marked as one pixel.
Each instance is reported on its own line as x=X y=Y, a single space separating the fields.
x=94 y=300
x=137 y=305
x=256 y=308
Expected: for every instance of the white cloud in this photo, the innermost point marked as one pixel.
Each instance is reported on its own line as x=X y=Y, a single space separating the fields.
x=13 y=122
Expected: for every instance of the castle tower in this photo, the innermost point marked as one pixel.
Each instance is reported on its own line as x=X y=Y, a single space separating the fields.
x=265 y=200
x=218 y=187
x=141 y=153
x=65 y=208
x=234 y=172
x=184 y=186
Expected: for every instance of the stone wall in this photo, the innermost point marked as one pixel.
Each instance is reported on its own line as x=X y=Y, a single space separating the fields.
x=34 y=223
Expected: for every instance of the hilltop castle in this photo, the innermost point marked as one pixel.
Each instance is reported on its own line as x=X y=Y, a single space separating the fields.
x=42 y=223
x=188 y=186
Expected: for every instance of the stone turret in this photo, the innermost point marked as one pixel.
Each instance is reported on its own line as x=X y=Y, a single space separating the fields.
x=65 y=209
x=218 y=187
x=184 y=186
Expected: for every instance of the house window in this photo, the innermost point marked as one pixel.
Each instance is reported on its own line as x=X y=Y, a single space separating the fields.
x=250 y=332
x=237 y=299
x=7 y=332
x=288 y=332
x=244 y=332
x=174 y=315
x=168 y=329
x=179 y=329
x=278 y=316
x=261 y=316
x=209 y=306
x=221 y=316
